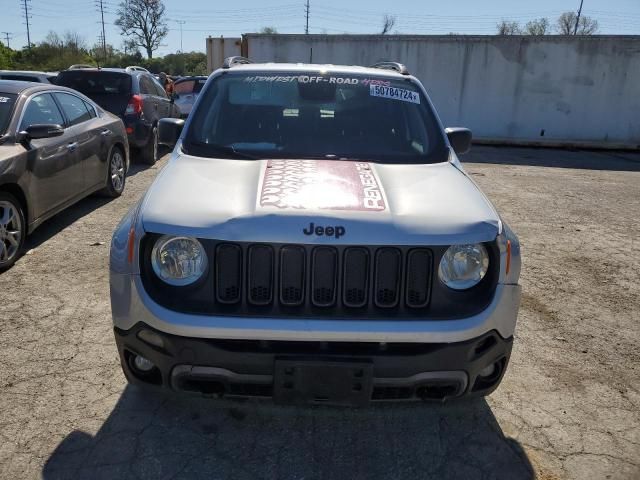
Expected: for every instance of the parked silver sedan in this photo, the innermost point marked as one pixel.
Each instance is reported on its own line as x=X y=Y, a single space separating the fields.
x=187 y=90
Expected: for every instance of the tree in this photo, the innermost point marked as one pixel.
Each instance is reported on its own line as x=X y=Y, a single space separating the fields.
x=387 y=24
x=269 y=30
x=540 y=26
x=567 y=24
x=506 y=27
x=143 y=22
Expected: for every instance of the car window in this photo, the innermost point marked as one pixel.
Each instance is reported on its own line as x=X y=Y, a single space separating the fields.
x=92 y=111
x=22 y=78
x=41 y=109
x=96 y=82
x=185 y=87
x=74 y=108
x=199 y=84
x=159 y=89
x=146 y=87
x=334 y=116
x=7 y=100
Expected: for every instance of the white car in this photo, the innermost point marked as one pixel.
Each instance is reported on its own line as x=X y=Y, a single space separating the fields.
x=314 y=239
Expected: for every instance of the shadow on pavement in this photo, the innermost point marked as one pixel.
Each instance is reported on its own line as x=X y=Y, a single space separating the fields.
x=160 y=435
x=70 y=215
x=557 y=158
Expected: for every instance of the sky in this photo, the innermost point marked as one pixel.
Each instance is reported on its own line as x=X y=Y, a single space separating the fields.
x=232 y=18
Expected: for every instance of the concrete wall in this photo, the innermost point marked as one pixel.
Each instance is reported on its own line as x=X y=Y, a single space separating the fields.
x=219 y=48
x=551 y=89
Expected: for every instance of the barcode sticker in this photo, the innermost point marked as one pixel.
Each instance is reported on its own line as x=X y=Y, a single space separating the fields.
x=394 y=93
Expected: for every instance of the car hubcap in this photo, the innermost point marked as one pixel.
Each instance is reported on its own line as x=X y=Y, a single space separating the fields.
x=10 y=231
x=117 y=171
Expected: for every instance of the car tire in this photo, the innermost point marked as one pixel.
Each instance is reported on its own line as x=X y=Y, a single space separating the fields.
x=116 y=173
x=150 y=150
x=13 y=230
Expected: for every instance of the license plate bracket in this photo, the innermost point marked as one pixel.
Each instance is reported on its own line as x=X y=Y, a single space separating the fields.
x=316 y=382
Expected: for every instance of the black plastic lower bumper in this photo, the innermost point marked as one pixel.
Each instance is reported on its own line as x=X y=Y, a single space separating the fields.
x=352 y=373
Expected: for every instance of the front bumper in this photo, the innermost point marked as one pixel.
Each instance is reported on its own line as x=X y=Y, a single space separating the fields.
x=249 y=368
x=131 y=304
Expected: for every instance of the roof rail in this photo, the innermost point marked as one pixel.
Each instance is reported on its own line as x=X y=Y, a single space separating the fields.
x=233 y=61
x=396 y=66
x=135 y=68
x=80 y=67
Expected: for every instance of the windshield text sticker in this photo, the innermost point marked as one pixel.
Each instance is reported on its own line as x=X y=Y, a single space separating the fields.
x=4 y=99
x=322 y=184
x=394 y=93
x=303 y=79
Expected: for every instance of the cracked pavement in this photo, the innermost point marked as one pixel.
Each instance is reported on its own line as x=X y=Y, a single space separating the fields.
x=569 y=406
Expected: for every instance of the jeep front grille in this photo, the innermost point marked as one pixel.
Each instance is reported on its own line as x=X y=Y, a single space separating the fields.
x=277 y=280
x=322 y=276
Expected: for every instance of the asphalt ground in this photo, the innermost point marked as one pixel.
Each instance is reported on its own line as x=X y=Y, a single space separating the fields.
x=569 y=406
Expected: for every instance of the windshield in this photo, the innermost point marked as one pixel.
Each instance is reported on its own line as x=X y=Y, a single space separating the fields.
x=6 y=107
x=330 y=116
x=95 y=82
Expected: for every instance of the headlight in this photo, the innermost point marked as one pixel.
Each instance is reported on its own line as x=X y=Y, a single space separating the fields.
x=463 y=266
x=178 y=261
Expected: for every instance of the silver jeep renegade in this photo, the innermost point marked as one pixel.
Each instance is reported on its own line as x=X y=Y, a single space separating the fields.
x=314 y=239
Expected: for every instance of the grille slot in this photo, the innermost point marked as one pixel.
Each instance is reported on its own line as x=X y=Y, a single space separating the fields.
x=292 y=273
x=228 y=273
x=324 y=276
x=260 y=275
x=419 y=262
x=387 y=277
x=356 y=277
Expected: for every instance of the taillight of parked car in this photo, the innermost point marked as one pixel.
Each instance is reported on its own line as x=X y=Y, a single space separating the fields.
x=134 y=107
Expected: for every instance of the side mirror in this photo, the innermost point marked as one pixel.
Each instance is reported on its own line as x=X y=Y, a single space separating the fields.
x=41 y=130
x=460 y=139
x=169 y=131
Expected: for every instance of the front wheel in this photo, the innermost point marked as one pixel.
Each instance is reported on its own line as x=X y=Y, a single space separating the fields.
x=116 y=174
x=150 y=150
x=12 y=230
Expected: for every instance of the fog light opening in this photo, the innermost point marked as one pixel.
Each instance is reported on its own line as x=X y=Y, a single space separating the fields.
x=143 y=364
x=488 y=371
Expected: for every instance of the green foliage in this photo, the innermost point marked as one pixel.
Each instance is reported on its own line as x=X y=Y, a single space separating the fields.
x=6 y=58
x=57 y=52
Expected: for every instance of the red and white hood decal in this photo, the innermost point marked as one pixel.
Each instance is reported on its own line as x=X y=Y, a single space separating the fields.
x=320 y=184
x=318 y=201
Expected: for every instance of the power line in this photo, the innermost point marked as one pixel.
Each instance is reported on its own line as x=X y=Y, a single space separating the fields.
x=25 y=8
x=180 y=22
x=307 y=10
x=104 y=38
x=8 y=36
x=575 y=30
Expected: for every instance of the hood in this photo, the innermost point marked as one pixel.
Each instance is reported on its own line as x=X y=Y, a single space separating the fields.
x=318 y=201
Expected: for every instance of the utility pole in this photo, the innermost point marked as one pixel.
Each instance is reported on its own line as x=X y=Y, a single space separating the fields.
x=575 y=30
x=306 y=10
x=104 y=38
x=181 y=22
x=25 y=7
x=7 y=35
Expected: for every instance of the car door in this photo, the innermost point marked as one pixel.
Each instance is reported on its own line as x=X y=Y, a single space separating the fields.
x=151 y=102
x=56 y=173
x=90 y=135
x=165 y=104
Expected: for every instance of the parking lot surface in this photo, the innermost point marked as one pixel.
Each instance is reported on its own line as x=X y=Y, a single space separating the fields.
x=569 y=406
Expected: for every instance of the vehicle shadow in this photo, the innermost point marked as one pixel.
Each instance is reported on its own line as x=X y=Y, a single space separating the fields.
x=557 y=158
x=161 y=435
x=54 y=225
x=70 y=215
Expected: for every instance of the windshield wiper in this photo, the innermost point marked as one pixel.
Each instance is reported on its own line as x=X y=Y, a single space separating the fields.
x=213 y=149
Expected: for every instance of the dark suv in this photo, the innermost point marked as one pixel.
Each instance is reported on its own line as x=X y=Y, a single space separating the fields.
x=133 y=95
